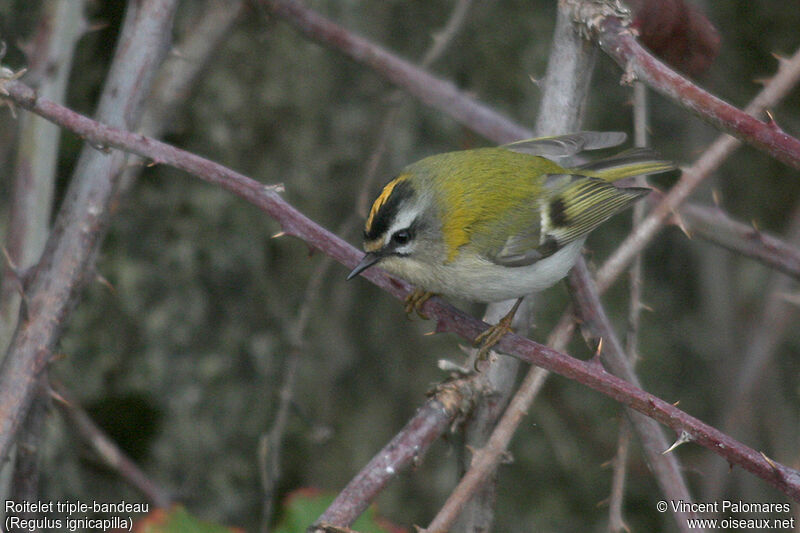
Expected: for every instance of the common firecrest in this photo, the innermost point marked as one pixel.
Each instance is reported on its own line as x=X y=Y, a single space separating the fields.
x=492 y=224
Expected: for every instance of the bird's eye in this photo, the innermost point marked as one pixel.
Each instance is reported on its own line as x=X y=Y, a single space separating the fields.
x=401 y=236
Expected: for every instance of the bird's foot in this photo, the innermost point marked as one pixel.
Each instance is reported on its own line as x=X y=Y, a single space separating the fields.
x=414 y=302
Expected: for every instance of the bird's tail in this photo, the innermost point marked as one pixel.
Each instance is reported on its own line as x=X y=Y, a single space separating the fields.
x=633 y=162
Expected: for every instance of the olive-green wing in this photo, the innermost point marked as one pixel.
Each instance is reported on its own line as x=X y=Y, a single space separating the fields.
x=572 y=209
x=567 y=145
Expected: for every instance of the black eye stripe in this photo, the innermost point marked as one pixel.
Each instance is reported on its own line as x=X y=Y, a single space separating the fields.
x=387 y=212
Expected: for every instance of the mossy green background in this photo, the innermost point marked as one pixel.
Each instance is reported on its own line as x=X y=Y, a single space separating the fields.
x=183 y=360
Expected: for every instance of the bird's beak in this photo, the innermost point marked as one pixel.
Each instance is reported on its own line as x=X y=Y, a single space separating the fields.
x=369 y=259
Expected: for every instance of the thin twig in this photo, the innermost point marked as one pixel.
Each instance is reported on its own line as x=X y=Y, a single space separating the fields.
x=271 y=445
x=271 y=442
x=108 y=450
x=485 y=460
x=714 y=225
x=429 y=89
x=185 y=65
x=443 y=38
x=407 y=448
x=441 y=41
x=616 y=521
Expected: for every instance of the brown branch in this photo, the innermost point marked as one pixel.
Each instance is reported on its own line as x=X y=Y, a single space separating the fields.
x=407 y=448
x=485 y=461
x=715 y=226
x=597 y=328
x=68 y=259
x=774 y=317
x=619 y=42
x=61 y=23
x=499 y=129
x=448 y=318
x=431 y=90
x=108 y=450
x=787 y=77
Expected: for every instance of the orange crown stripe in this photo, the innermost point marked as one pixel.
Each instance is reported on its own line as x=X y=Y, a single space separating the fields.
x=384 y=196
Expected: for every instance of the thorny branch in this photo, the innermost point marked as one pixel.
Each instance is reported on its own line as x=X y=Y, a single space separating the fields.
x=366 y=485
x=619 y=42
x=448 y=318
x=60 y=26
x=445 y=97
x=68 y=259
x=717 y=227
x=447 y=403
x=788 y=476
x=778 y=87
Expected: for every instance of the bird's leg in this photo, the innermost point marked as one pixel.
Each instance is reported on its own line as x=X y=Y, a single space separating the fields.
x=415 y=300
x=492 y=335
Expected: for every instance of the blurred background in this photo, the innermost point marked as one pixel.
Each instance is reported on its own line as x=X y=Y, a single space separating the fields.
x=181 y=361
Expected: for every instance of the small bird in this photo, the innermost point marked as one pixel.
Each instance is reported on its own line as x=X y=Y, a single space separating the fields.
x=491 y=224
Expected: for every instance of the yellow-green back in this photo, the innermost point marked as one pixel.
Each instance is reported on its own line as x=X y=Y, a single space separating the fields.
x=490 y=192
x=475 y=188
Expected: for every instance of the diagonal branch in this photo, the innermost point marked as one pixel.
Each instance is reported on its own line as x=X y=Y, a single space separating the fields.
x=714 y=225
x=613 y=36
x=448 y=318
x=597 y=328
x=449 y=401
x=485 y=460
x=619 y=42
x=787 y=77
x=107 y=450
x=431 y=90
